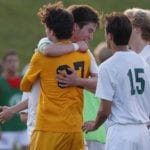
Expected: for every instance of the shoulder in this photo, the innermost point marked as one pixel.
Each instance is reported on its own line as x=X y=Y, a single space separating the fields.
x=43 y=41
x=90 y=54
x=36 y=58
x=37 y=55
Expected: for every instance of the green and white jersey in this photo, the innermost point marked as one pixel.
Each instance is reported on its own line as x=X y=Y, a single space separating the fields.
x=145 y=53
x=123 y=79
x=10 y=96
x=43 y=43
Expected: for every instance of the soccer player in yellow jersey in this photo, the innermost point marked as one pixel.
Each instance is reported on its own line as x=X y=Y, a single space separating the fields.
x=59 y=112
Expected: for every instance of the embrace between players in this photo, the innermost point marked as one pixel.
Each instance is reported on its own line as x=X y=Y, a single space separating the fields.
x=62 y=67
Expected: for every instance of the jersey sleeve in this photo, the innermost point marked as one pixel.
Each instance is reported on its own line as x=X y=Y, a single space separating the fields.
x=93 y=67
x=25 y=96
x=43 y=43
x=32 y=74
x=105 y=85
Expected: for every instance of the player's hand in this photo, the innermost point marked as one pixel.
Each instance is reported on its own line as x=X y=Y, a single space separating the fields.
x=83 y=47
x=88 y=126
x=6 y=114
x=67 y=80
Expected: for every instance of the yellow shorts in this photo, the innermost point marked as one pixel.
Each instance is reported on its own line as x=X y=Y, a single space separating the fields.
x=41 y=140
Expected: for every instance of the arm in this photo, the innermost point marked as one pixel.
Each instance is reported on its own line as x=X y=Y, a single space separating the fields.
x=90 y=83
x=8 y=112
x=59 y=49
x=106 y=90
x=102 y=115
x=49 y=49
x=74 y=80
x=32 y=73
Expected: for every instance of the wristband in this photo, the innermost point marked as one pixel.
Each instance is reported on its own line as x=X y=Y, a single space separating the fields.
x=75 y=46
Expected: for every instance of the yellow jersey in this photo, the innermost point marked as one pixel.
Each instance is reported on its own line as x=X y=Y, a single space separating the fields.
x=59 y=109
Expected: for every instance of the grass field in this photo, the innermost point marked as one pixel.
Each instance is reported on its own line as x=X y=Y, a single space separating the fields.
x=20 y=28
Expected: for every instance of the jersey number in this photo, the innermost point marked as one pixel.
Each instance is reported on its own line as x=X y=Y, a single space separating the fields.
x=139 y=81
x=77 y=66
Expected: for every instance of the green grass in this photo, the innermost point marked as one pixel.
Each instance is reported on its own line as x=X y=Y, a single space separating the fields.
x=20 y=28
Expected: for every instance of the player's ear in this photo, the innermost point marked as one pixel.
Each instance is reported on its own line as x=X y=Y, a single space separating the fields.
x=109 y=37
x=52 y=33
x=75 y=27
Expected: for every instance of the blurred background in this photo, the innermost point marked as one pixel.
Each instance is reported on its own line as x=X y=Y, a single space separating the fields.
x=20 y=28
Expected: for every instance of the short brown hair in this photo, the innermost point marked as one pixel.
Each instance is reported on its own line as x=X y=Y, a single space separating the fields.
x=57 y=19
x=84 y=14
x=9 y=53
x=140 y=18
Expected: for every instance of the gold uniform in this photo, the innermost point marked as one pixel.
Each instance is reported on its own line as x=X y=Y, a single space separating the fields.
x=59 y=110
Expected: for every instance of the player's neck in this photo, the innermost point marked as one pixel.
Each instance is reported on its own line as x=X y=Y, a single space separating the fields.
x=121 y=48
x=9 y=74
x=138 y=47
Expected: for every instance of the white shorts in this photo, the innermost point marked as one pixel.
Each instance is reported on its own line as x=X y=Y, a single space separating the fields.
x=128 y=137
x=95 y=145
x=9 y=139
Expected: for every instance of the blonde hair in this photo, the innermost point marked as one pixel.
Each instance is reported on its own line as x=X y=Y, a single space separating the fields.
x=140 y=18
x=101 y=52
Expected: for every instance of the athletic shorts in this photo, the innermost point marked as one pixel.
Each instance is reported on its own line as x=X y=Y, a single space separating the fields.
x=128 y=137
x=9 y=139
x=95 y=145
x=41 y=140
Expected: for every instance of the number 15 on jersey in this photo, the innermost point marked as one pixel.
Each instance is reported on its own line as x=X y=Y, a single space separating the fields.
x=137 y=82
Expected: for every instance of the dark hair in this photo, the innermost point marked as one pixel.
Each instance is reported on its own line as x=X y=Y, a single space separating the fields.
x=84 y=14
x=120 y=27
x=9 y=53
x=57 y=19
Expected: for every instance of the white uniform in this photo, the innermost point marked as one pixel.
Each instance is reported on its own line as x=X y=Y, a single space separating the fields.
x=35 y=92
x=145 y=53
x=33 y=97
x=124 y=80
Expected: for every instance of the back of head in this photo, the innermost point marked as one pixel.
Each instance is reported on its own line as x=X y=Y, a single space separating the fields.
x=140 y=18
x=84 y=14
x=57 y=19
x=119 y=26
x=102 y=52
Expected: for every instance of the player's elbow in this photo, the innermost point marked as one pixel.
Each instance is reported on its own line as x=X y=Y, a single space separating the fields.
x=104 y=114
x=25 y=85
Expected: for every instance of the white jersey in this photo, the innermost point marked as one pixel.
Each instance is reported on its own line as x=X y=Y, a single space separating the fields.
x=45 y=41
x=123 y=79
x=32 y=104
x=32 y=97
x=145 y=53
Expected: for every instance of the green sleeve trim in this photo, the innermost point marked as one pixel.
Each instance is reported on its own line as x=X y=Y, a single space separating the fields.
x=42 y=46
